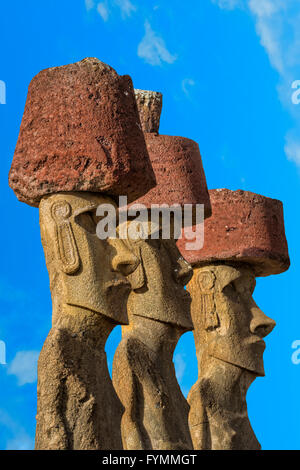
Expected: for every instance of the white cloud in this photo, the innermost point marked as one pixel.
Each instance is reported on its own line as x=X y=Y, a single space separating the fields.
x=89 y=4
x=20 y=440
x=227 y=4
x=126 y=7
x=269 y=26
x=24 y=367
x=277 y=26
x=152 y=48
x=106 y=7
x=186 y=84
x=180 y=366
x=265 y=8
x=103 y=11
x=292 y=148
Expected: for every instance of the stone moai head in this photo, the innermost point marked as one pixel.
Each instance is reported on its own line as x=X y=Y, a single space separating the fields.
x=81 y=145
x=244 y=238
x=230 y=326
x=158 y=282
x=84 y=271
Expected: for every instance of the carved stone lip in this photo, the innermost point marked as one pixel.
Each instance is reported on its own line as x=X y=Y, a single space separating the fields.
x=119 y=283
x=257 y=341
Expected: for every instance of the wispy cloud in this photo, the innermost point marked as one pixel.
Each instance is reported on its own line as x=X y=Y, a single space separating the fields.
x=186 y=85
x=106 y=7
x=292 y=146
x=102 y=9
x=126 y=7
x=277 y=26
x=153 y=49
x=24 y=367
x=269 y=17
x=89 y=4
x=227 y=4
x=20 y=440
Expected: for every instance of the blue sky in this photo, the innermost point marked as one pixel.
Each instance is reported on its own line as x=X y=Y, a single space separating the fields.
x=225 y=68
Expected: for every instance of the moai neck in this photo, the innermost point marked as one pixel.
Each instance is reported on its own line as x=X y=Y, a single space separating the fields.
x=159 y=337
x=218 y=415
x=89 y=327
x=228 y=330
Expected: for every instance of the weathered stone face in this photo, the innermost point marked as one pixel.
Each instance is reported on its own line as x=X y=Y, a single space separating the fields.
x=84 y=270
x=244 y=227
x=229 y=329
x=158 y=282
x=226 y=319
x=80 y=132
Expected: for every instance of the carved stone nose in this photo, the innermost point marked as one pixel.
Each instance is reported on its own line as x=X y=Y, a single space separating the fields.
x=261 y=325
x=124 y=260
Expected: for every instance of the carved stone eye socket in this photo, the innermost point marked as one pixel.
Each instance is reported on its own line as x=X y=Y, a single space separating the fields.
x=244 y=285
x=87 y=220
x=230 y=288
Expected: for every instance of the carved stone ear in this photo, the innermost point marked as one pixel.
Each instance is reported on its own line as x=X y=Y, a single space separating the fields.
x=66 y=248
x=206 y=282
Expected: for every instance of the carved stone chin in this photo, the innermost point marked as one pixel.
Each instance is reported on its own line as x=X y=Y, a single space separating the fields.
x=229 y=329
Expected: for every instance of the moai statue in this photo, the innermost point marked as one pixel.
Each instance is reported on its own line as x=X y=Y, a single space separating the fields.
x=156 y=412
x=243 y=239
x=80 y=146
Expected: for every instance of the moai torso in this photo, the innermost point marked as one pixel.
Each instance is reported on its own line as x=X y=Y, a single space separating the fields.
x=155 y=410
x=77 y=404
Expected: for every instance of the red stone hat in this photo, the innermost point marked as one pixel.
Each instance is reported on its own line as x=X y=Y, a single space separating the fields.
x=80 y=132
x=176 y=161
x=244 y=227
